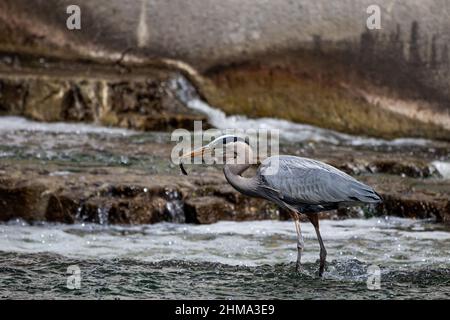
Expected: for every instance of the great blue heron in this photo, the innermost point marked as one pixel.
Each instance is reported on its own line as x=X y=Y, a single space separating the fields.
x=299 y=185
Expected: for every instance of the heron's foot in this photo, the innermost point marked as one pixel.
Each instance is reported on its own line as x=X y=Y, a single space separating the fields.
x=321 y=268
x=321 y=272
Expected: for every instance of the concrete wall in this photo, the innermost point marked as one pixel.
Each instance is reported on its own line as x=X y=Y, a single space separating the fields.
x=204 y=32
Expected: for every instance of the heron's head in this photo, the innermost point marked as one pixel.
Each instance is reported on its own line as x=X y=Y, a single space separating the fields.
x=224 y=149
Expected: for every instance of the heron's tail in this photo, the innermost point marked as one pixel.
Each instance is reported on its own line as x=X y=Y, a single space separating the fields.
x=366 y=194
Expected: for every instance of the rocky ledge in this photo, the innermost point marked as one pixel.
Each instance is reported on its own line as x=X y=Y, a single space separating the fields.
x=120 y=195
x=111 y=95
x=48 y=176
x=302 y=86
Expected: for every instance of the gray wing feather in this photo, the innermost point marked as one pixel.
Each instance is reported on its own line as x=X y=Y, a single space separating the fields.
x=302 y=180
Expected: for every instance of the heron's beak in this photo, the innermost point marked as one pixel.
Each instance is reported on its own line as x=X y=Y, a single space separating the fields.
x=196 y=152
x=193 y=154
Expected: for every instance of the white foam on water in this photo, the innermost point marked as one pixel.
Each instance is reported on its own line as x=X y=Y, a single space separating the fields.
x=443 y=168
x=12 y=123
x=381 y=241
x=288 y=130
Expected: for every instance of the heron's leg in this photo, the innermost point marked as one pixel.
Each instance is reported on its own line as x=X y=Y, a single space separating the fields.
x=314 y=218
x=300 y=243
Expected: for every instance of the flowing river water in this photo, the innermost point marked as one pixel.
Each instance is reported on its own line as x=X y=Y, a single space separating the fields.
x=222 y=260
x=225 y=260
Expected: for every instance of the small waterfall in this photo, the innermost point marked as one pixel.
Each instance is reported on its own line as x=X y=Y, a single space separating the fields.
x=103 y=215
x=294 y=132
x=443 y=168
x=174 y=206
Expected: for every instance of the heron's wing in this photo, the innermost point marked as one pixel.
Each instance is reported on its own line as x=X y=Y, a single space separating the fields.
x=301 y=180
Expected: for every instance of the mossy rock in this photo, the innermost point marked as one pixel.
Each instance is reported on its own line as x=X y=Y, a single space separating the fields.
x=311 y=90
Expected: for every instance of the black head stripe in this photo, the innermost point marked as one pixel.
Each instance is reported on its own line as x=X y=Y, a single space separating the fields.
x=233 y=139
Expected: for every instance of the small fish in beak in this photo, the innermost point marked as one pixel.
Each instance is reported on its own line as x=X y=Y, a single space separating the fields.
x=193 y=154
x=182 y=169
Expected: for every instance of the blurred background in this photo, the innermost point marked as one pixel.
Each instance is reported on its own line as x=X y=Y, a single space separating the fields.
x=86 y=116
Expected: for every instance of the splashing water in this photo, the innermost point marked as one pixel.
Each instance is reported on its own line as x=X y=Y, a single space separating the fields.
x=225 y=260
x=102 y=215
x=443 y=168
x=175 y=206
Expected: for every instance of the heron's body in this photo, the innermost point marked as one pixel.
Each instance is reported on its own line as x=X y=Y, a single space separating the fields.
x=311 y=186
x=299 y=185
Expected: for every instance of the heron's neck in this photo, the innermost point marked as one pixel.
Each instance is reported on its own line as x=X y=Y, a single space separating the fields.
x=247 y=186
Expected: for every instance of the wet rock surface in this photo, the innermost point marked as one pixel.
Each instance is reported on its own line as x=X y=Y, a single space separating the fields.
x=138 y=100
x=121 y=196
x=129 y=179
